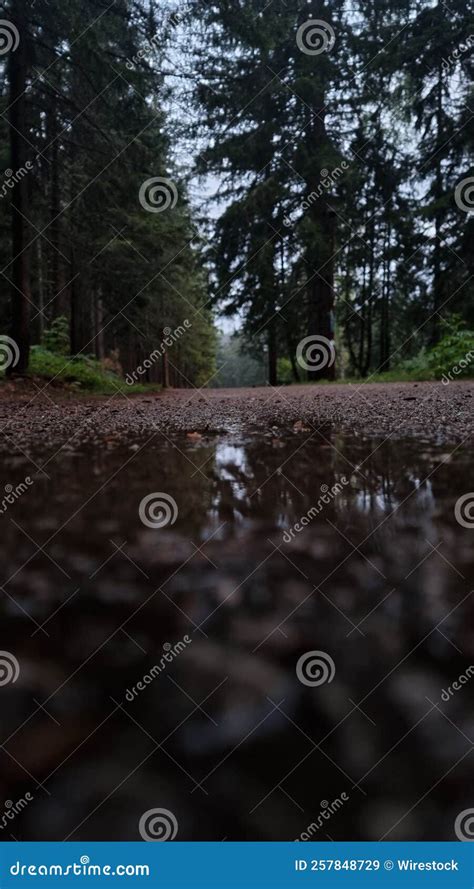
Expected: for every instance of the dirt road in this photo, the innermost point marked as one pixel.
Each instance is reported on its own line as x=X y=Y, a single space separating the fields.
x=48 y=416
x=314 y=524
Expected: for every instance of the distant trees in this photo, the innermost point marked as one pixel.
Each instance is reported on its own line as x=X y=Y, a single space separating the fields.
x=85 y=94
x=236 y=366
x=340 y=132
x=19 y=60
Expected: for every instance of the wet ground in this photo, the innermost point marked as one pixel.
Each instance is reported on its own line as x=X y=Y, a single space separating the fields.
x=168 y=668
x=33 y=413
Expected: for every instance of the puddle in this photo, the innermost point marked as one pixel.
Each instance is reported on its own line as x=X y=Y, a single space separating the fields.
x=280 y=547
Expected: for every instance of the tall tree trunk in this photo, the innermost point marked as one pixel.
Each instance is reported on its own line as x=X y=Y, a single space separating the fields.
x=20 y=300
x=321 y=255
x=39 y=260
x=166 y=371
x=437 y=271
x=321 y=295
x=74 y=320
x=360 y=361
x=272 y=355
x=98 y=326
x=58 y=295
x=74 y=287
x=371 y=297
x=291 y=347
x=385 y=307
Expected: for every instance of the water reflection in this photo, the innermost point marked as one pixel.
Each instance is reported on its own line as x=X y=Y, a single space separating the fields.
x=379 y=577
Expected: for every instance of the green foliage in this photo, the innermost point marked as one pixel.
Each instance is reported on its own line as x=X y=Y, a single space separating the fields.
x=412 y=369
x=82 y=372
x=453 y=356
x=56 y=338
x=386 y=230
x=285 y=376
x=198 y=350
x=112 y=273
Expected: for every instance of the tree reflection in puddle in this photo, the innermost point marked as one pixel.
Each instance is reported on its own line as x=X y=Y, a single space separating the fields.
x=225 y=736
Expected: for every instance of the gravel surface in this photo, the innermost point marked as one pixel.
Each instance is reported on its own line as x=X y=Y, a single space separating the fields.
x=32 y=418
x=258 y=570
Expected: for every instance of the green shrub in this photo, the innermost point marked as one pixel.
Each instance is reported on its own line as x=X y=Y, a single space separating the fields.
x=56 y=338
x=285 y=376
x=82 y=372
x=453 y=356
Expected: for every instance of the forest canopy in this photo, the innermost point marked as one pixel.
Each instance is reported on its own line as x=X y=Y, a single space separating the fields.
x=335 y=138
